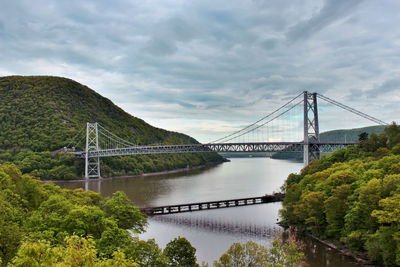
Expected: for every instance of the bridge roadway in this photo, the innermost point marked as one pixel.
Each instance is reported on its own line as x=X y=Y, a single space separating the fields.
x=323 y=147
x=218 y=204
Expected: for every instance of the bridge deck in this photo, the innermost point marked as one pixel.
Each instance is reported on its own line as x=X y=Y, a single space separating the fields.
x=324 y=147
x=218 y=204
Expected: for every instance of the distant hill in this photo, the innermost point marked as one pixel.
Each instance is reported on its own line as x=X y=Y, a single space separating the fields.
x=39 y=114
x=344 y=135
x=349 y=135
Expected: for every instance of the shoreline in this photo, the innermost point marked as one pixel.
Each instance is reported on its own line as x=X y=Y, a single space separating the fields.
x=342 y=251
x=180 y=170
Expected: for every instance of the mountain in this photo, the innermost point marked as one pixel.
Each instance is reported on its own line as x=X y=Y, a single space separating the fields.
x=41 y=114
x=343 y=135
x=349 y=135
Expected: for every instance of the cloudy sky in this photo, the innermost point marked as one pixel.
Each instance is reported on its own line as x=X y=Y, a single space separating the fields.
x=207 y=67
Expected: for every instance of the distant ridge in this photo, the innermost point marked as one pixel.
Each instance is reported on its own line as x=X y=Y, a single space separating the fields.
x=342 y=135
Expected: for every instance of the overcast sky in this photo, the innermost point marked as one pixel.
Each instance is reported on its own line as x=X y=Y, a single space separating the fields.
x=207 y=67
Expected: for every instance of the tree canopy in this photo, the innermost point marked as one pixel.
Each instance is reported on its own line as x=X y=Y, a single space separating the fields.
x=45 y=225
x=352 y=195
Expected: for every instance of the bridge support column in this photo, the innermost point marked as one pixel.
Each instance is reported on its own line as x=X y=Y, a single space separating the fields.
x=92 y=164
x=311 y=128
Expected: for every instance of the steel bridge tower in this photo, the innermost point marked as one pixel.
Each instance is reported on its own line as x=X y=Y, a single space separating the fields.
x=92 y=164
x=311 y=128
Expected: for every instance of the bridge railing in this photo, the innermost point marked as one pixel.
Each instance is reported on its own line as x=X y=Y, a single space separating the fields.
x=275 y=147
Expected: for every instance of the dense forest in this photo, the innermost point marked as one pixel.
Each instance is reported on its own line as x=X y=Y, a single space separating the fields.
x=40 y=115
x=45 y=225
x=352 y=196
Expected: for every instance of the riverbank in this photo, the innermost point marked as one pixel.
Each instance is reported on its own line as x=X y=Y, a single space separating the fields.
x=212 y=232
x=180 y=170
x=359 y=258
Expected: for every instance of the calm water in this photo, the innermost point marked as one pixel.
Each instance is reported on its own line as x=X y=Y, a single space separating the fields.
x=213 y=231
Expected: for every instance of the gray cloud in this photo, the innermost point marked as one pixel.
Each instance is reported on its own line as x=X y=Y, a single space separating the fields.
x=159 y=47
x=329 y=13
x=389 y=86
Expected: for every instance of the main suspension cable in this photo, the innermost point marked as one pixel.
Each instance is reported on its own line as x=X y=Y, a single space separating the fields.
x=357 y=112
x=74 y=138
x=263 y=118
x=277 y=116
x=115 y=137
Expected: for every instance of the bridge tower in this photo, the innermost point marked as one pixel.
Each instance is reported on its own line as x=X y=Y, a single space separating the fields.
x=311 y=128
x=92 y=165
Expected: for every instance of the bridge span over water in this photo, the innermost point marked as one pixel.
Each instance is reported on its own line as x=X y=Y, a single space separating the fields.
x=274 y=147
x=101 y=142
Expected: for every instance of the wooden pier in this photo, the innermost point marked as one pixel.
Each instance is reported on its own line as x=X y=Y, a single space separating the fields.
x=209 y=205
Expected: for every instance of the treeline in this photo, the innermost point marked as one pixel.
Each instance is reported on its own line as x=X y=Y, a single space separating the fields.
x=45 y=225
x=61 y=166
x=352 y=196
x=40 y=115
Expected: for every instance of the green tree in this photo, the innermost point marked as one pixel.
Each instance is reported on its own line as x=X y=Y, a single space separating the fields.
x=393 y=134
x=283 y=253
x=127 y=216
x=311 y=210
x=77 y=251
x=243 y=255
x=390 y=210
x=363 y=137
x=180 y=253
x=146 y=253
x=336 y=207
x=384 y=246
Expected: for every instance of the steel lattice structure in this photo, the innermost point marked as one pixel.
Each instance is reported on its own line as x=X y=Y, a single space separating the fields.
x=92 y=164
x=324 y=147
x=111 y=145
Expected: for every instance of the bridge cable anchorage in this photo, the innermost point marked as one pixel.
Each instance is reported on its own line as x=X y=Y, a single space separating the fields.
x=357 y=112
x=263 y=118
x=277 y=116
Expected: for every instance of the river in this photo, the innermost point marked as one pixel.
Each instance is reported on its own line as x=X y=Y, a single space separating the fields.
x=211 y=232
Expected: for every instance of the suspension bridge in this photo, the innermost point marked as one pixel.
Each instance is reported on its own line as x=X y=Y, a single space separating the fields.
x=101 y=142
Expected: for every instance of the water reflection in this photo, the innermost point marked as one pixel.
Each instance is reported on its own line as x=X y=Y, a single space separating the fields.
x=144 y=191
x=221 y=226
x=213 y=231
x=321 y=255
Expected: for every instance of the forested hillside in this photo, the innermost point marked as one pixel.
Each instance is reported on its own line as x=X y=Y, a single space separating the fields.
x=352 y=195
x=41 y=114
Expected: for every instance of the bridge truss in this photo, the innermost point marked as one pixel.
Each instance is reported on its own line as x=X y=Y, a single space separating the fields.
x=278 y=147
x=101 y=142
